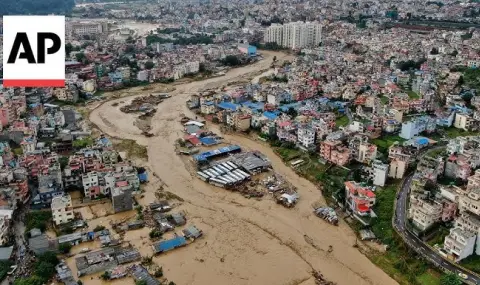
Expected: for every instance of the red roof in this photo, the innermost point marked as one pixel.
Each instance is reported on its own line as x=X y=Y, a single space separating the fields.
x=363 y=208
x=121 y=183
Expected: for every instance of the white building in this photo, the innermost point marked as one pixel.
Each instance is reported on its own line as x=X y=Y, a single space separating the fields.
x=142 y=75
x=459 y=244
x=295 y=35
x=424 y=214
x=90 y=180
x=274 y=34
x=62 y=210
x=85 y=28
x=306 y=137
x=380 y=173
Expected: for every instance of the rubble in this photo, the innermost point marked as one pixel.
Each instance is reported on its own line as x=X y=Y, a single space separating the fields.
x=328 y=214
x=144 y=104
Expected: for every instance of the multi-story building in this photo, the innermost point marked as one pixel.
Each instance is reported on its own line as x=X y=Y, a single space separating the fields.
x=417 y=126
x=306 y=137
x=466 y=122
x=459 y=244
x=62 y=209
x=335 y=152
x=471 y=201
x=359 y=199
x=424 y=213
x=274 y=34
x=295 y=35
x=122 y=197
x=90 y=184
x=75 y=28
x=380 y=173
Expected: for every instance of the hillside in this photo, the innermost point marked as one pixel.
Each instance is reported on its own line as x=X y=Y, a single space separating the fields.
x=36 y=7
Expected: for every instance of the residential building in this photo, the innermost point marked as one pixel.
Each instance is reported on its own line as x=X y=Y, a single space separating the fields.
x=359 y=199
x=424 y=213
x=306 y=137
x=122 y=197
x=62 y=209
x=335 y=152
x=295 y=35
x=459 y=244
x=90 y=184
x=418 y=125
x=380 y=173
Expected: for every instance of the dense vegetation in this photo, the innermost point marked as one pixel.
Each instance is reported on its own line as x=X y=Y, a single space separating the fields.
x=37 y=219
x=37 y=7
x=44 y=270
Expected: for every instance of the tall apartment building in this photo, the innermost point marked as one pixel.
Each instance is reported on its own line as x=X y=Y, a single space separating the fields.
x=85 y=28
x=295 y=35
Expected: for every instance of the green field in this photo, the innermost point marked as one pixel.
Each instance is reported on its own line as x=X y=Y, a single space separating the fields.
x=341 y=121
x=413 y=95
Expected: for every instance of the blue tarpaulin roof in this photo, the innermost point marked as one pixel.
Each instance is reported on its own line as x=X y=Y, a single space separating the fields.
x=212 y=153
x=227 y=105
x=208 y=141
x=169 y=244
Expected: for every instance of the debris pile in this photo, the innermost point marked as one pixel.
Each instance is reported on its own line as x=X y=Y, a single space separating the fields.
x=144 y=104
x=320 y=280
x=276 y=184
x=328 y=214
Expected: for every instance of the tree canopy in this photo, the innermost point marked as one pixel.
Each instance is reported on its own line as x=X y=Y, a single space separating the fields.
x=38 y=7
x=450 y=279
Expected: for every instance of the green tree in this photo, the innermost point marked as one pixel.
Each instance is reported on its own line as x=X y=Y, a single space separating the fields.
x=44 y=270
x=65 y=247
x=33 y=280
x=231 y=60
x=63 y=160
x=141 y=282
x=80 y=57
x=68 y=49
x=105 y=275
x=149 y=65
x=450 y=279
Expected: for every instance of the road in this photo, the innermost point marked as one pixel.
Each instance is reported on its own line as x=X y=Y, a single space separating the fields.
x=413 y=241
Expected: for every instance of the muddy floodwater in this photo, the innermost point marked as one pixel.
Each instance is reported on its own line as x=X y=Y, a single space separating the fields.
x=246 y=241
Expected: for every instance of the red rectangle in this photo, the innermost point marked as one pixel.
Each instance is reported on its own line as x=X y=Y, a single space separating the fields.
x=33 y=82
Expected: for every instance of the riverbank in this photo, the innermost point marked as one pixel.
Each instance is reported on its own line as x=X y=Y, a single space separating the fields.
x=246 y=241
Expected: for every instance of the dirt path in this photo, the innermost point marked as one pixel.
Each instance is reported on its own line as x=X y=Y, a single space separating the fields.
x=246 y=241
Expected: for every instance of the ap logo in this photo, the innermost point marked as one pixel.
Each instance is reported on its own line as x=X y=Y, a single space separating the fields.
x=33 y=51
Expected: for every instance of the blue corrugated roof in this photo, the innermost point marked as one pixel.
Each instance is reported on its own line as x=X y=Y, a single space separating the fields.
x=170 y=244
x=270 y=115
x=228 y=105
x=212 y=153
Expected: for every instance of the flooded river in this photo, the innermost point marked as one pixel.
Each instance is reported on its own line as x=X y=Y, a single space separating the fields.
x=246 y=241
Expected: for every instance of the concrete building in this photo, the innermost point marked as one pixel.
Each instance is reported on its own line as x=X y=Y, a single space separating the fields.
x=415 y=127
x=83 y=28
x=380 y=173
x=423 y=213
x=306 y=137
x=122 y=197
x=62 y=210
x=295 y=35
x=335 y=152
x=459 y=244
x=471 y=201
x=359 y=199
x=90 y=182
x=465 y=122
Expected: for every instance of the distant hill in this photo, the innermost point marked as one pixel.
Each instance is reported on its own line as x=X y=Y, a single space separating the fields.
x=35 y=7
